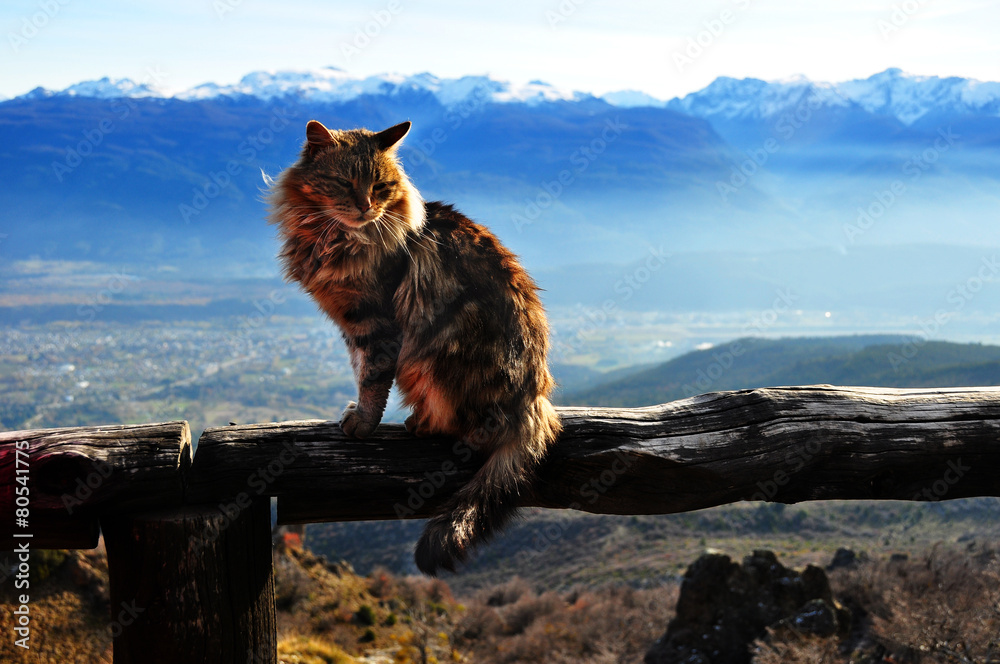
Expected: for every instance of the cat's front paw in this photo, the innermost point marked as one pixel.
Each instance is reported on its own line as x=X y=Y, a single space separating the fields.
x=357 y=423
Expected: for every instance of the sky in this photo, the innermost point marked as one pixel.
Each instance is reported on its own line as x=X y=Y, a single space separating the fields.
x=664 y=48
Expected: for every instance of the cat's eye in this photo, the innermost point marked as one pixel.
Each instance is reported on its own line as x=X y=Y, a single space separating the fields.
x=381 y=186
x=342 y=181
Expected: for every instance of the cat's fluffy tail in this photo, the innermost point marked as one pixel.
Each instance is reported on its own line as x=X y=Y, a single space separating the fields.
x=484 y=506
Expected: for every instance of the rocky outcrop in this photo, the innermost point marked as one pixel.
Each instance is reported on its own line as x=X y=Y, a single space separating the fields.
x=724 y=607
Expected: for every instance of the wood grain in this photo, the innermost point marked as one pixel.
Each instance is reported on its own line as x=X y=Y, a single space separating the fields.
x=192 y=584
x=76 y=474
x=779 y=444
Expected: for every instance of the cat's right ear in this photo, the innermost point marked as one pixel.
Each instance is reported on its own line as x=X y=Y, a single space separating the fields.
x=318 y=137
x=388 y=138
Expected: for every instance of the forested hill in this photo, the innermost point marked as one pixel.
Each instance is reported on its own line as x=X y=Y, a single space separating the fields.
x=875 y=360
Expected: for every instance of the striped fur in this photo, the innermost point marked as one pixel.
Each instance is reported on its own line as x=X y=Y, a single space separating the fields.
x=428 y=298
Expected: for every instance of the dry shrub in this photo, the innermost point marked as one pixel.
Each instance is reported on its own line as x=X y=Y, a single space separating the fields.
x=944 y=608
x=299 y=649
x=596 y=627
x=521 y=615
x=417 y=591
x=382 y=584
x=506 y=593
x=795 y=649
x=291 y=583
x=941 y=608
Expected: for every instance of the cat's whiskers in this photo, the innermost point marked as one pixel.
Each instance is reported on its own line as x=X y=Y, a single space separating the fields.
x=378 y=229
x=383 y=218
x=419 y=238
x=402 y=221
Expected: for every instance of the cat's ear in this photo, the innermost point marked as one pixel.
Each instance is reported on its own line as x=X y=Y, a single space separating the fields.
x=388 y=138
x=318 y=136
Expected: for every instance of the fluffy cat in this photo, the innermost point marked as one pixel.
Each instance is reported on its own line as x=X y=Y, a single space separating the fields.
x=427 y=297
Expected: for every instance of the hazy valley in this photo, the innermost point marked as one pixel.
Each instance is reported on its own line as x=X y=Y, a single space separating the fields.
x=749 y=234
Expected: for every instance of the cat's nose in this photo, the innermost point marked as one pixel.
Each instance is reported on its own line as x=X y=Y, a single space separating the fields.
x=364 y=204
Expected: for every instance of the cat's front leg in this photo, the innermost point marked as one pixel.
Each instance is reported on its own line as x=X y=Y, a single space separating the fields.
x=374 y=366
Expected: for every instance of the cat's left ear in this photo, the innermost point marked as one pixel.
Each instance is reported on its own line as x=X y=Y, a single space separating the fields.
x=318 y=137
x=388 y=138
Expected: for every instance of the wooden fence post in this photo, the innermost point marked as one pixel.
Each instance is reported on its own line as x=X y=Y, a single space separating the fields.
x=193 y=581
x=192 y=584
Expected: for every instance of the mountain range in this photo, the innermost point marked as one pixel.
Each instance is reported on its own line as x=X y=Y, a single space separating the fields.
x=891 y=93
x=747 y=183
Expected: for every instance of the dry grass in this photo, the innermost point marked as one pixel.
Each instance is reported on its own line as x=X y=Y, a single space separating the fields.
x=940 y=608
x=70 y=623
x=511 y=623
x=298 y=649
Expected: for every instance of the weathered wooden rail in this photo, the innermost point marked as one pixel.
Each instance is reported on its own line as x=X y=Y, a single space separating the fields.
x=188 y=534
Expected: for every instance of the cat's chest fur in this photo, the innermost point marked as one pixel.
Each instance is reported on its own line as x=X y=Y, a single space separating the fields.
x=348 y=282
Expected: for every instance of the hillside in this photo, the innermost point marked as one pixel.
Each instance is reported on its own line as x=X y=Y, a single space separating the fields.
x=563 y=548
x=938 y=602
x=876 y=361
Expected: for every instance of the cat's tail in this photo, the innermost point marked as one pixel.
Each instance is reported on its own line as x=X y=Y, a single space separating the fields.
x=484 y=506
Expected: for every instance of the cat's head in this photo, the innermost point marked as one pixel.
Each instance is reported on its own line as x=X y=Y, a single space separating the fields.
x=352 y=178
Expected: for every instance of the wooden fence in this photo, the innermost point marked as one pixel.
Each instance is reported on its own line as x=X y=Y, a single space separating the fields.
x=188 y=531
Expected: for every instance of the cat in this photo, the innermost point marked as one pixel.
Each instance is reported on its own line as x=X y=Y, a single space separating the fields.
x=428 y=298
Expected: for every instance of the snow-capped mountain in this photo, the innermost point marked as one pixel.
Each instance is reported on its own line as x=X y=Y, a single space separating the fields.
x=331 y=85
x=909 y=98
x=177 y=180
x=752 y=98
x=632 y=99
x=891 y=93
x=103 y=88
